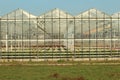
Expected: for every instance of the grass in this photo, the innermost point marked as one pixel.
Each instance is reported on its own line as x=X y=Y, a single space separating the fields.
x=73 y=72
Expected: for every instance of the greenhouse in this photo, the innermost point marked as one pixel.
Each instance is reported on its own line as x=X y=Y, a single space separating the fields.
x=56 y=35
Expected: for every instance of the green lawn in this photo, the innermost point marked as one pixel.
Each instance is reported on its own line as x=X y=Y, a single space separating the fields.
x=73 y=72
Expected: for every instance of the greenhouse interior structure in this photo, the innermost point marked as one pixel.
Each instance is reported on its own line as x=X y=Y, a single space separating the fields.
x=56 y=35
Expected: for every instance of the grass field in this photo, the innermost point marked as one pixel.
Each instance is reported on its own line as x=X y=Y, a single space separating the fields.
x=68 y=72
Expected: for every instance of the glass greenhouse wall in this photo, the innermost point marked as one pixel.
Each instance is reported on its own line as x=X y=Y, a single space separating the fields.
x=58 y=35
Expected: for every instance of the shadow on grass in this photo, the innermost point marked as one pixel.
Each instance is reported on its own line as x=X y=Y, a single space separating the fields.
x=60 y=77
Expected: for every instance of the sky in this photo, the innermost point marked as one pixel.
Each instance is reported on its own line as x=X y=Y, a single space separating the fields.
x=74 y=7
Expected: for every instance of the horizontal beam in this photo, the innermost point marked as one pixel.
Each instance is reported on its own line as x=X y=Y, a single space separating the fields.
x=42 y=40
x=45 y=19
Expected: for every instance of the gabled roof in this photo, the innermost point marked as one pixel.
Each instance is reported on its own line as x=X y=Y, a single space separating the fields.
x=116 y=15
x=56 y=13
x=18 y=14
x=93 y=13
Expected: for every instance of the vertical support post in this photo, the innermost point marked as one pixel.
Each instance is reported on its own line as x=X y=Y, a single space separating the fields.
x=11 y=44
x=6 y=42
